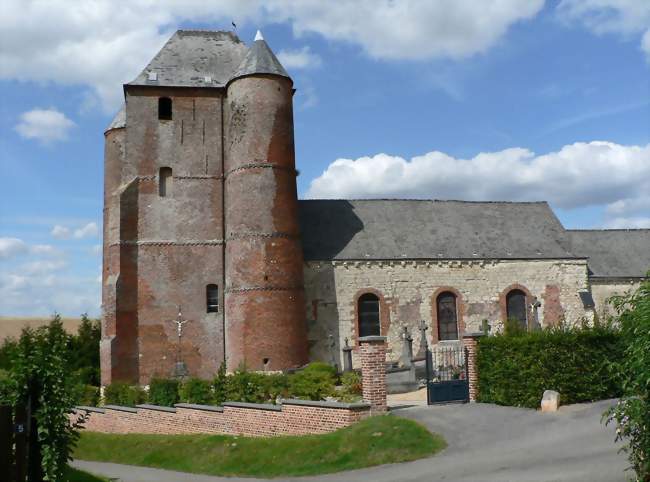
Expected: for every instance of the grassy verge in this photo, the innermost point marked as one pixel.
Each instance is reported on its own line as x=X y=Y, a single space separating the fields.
x=75 y=475
x=374 y=441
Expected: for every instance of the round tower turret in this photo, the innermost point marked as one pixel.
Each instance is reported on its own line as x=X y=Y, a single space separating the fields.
x=264 y=296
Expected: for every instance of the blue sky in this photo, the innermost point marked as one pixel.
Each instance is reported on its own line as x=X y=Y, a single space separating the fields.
x=509 y=100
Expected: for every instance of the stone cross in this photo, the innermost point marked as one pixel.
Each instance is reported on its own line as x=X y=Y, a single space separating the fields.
x=407 y=348
x=422 y=351
x=181 y=369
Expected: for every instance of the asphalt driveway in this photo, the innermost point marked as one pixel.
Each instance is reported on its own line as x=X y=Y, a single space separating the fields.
x=487 y=443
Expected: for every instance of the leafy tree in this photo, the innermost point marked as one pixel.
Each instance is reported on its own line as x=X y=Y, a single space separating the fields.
x=40 y=374
x=85 y=351
x=632 y=413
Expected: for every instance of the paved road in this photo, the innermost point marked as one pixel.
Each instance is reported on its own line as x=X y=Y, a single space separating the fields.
x=487 y=443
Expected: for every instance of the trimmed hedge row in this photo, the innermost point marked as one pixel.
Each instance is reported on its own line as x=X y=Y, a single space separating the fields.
x=515 y=370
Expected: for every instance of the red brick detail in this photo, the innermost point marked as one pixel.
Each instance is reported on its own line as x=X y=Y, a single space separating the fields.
x=289 y=420
x=373 y=372
x=470 y=343
x=460 y=311
x=503 y=306
x=384 y=314
x=553 y=310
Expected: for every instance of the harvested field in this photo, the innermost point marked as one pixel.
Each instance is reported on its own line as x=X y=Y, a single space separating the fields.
x=11 y=326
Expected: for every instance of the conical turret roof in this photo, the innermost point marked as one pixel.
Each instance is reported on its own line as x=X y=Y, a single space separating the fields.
x=260 y=60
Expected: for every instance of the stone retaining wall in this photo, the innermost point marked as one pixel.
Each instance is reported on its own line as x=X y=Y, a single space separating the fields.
x=292 y=417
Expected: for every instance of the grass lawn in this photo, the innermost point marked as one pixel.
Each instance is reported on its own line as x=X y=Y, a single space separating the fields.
x=75 y=475
x=373 y=441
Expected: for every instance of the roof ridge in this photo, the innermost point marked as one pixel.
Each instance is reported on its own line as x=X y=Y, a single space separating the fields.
x=607 y=229
x=427 y=200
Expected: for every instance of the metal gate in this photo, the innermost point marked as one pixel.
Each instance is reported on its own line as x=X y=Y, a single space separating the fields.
x=447 y=378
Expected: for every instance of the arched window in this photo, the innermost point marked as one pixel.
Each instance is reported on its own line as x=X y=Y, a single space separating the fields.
x=447 y=316
x=516 y=307
x=212 y=298
x=165 y=181
x=369 y=315
x=164 y=108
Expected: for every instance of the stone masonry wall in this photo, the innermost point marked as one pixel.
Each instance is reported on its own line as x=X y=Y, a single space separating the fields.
x=292 y=417
x=407 y=291
x=601 y=290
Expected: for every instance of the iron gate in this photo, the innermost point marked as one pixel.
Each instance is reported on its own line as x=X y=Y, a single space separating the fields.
x=447 y=379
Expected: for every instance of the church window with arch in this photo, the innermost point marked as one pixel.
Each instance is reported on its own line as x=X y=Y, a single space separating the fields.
x=516 y=308
x=368 y=309
x=447 y=312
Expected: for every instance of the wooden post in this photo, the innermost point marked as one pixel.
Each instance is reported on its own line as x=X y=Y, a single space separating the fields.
x=6 y=438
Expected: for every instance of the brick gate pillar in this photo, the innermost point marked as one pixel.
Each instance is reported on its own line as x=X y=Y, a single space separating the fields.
x=373 y=372
x=470 y=341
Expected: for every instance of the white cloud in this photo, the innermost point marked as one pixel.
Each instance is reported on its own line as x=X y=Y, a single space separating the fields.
x=41 y=267
x=104 y=43
x=622 y=17
x=45 y=125
x=87 y=231
x=618 y=223
x=303 y=58
x=10 y=247
x=60 y=232
x=44 y=249
x=578 y=175
x=90 y=230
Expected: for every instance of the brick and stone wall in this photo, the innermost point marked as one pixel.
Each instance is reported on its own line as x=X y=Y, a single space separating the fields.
x=407 y=292
x=291 y=417
x=373 y=372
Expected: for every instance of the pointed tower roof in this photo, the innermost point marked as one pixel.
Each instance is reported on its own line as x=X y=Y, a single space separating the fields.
x=119 y=120
x=260 y=60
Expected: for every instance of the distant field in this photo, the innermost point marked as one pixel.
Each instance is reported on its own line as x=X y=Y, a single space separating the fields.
x=11 y=326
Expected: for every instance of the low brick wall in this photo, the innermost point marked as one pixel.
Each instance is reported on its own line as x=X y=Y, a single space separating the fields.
x=292 y=417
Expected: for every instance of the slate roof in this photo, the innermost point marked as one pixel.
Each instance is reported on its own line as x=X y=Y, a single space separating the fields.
x=119 y=120
x=260 y=60
x=425 y=229
x=614 y=253
x=190 y=56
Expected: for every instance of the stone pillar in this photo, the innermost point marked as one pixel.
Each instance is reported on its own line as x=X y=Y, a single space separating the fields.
x=347 y=357
x=373 y=372
x=470 y=341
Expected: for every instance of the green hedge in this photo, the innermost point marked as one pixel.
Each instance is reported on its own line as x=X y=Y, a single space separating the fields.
x=515 y=370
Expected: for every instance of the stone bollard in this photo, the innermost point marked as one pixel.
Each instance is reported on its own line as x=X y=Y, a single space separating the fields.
x=550 y=401
x=470 y=341
x=373 y=372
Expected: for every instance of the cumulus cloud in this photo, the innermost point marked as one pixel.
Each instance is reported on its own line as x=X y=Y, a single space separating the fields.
x=627 y=18
x=10 y=247
x=45 y=125
x=63 y=232
x=302 y=58
x=93 y=43
x=578 y=175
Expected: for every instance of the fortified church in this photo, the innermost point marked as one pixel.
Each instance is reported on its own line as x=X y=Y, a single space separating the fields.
x=201 y=212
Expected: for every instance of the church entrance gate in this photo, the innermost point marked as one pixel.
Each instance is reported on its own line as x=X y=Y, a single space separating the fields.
x=447 y=376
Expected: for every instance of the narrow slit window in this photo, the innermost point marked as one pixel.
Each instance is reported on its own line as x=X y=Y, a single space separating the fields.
x=212 y=298
x=164 y=108
x=165 y=181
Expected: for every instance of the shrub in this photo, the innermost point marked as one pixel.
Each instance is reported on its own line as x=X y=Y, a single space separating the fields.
x=85 y=351
x=220 y=385
x=515 y=370
x=86 y=395
x=321 y=367
x=196 y=390
x=632 y=413
x=275 y=386
x=351 y=382
x=312 y=384
x=119 y=393
x=246 y=386
x=163 y=392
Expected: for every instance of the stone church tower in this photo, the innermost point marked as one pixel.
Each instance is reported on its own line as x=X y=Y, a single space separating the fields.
x=201 y=212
